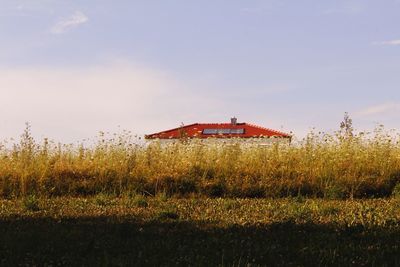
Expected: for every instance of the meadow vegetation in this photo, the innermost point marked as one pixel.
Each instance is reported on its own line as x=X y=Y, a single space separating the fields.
x=337 y=166
x=106 y=230
x=326 y=200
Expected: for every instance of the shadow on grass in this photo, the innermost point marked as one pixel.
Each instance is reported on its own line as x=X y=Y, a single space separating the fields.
x=126 y=242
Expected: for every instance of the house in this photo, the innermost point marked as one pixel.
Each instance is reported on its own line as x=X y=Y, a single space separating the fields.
x=221 y=131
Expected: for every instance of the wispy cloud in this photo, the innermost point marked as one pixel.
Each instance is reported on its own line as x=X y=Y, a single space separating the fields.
x=252 y=10
x=74 y=103
x=390 y=43
x=348 y=8
x=381 y=109
x=72 y=21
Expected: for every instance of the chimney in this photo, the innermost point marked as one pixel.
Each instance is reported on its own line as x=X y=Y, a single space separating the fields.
x=234 y=121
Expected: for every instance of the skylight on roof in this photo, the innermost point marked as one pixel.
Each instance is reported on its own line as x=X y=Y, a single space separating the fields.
x=223 y=131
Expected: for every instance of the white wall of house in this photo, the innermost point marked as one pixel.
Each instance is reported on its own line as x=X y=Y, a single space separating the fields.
x=263 y=141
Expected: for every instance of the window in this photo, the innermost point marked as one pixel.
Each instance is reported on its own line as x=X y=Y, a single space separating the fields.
x=210 y=131
x=224 y=131
x=237 y=131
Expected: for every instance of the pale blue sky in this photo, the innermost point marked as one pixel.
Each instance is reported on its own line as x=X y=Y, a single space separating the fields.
x=72 y=68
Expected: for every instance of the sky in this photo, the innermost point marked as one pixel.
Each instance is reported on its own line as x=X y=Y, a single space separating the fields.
x=74 y=68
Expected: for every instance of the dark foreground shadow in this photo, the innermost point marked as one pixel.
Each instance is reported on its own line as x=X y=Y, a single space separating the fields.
x=126 y=242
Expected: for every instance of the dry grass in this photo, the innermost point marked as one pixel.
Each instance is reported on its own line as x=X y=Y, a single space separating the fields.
x=221 y=212
x=342 y=165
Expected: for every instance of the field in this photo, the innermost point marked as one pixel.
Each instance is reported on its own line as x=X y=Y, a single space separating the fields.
x=328 y=200
x=111 y=231
x=337 y=166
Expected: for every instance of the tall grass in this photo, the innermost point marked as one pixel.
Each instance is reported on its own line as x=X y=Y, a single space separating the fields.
x=341 y=165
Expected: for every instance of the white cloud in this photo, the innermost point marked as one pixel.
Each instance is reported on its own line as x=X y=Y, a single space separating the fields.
x=69 y=104
x=381 y=109
x=252 y=10
x=66 y=24
x=353 y=7
x=390 y=43
x=34 y=9
x=72 y=104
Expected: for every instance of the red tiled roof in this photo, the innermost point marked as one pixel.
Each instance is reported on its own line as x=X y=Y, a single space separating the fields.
x=196 y=130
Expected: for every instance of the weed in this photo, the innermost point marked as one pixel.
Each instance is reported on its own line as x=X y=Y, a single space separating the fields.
x=230 y=204
x=345 y=164
x=326 y=211
x=167 y=214
x=140 y=201
x=334 y=192
x=31 y=203
x=396 y=191
x=102 y=200
x=163 y=196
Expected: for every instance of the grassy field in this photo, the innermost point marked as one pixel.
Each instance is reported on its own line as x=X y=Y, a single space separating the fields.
x=335 y=166
x=119 y=231
x=328 y=200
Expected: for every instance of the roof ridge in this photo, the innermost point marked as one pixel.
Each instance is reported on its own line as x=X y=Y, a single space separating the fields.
x=174 y=129
x=219 y=123
x=268 y=129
